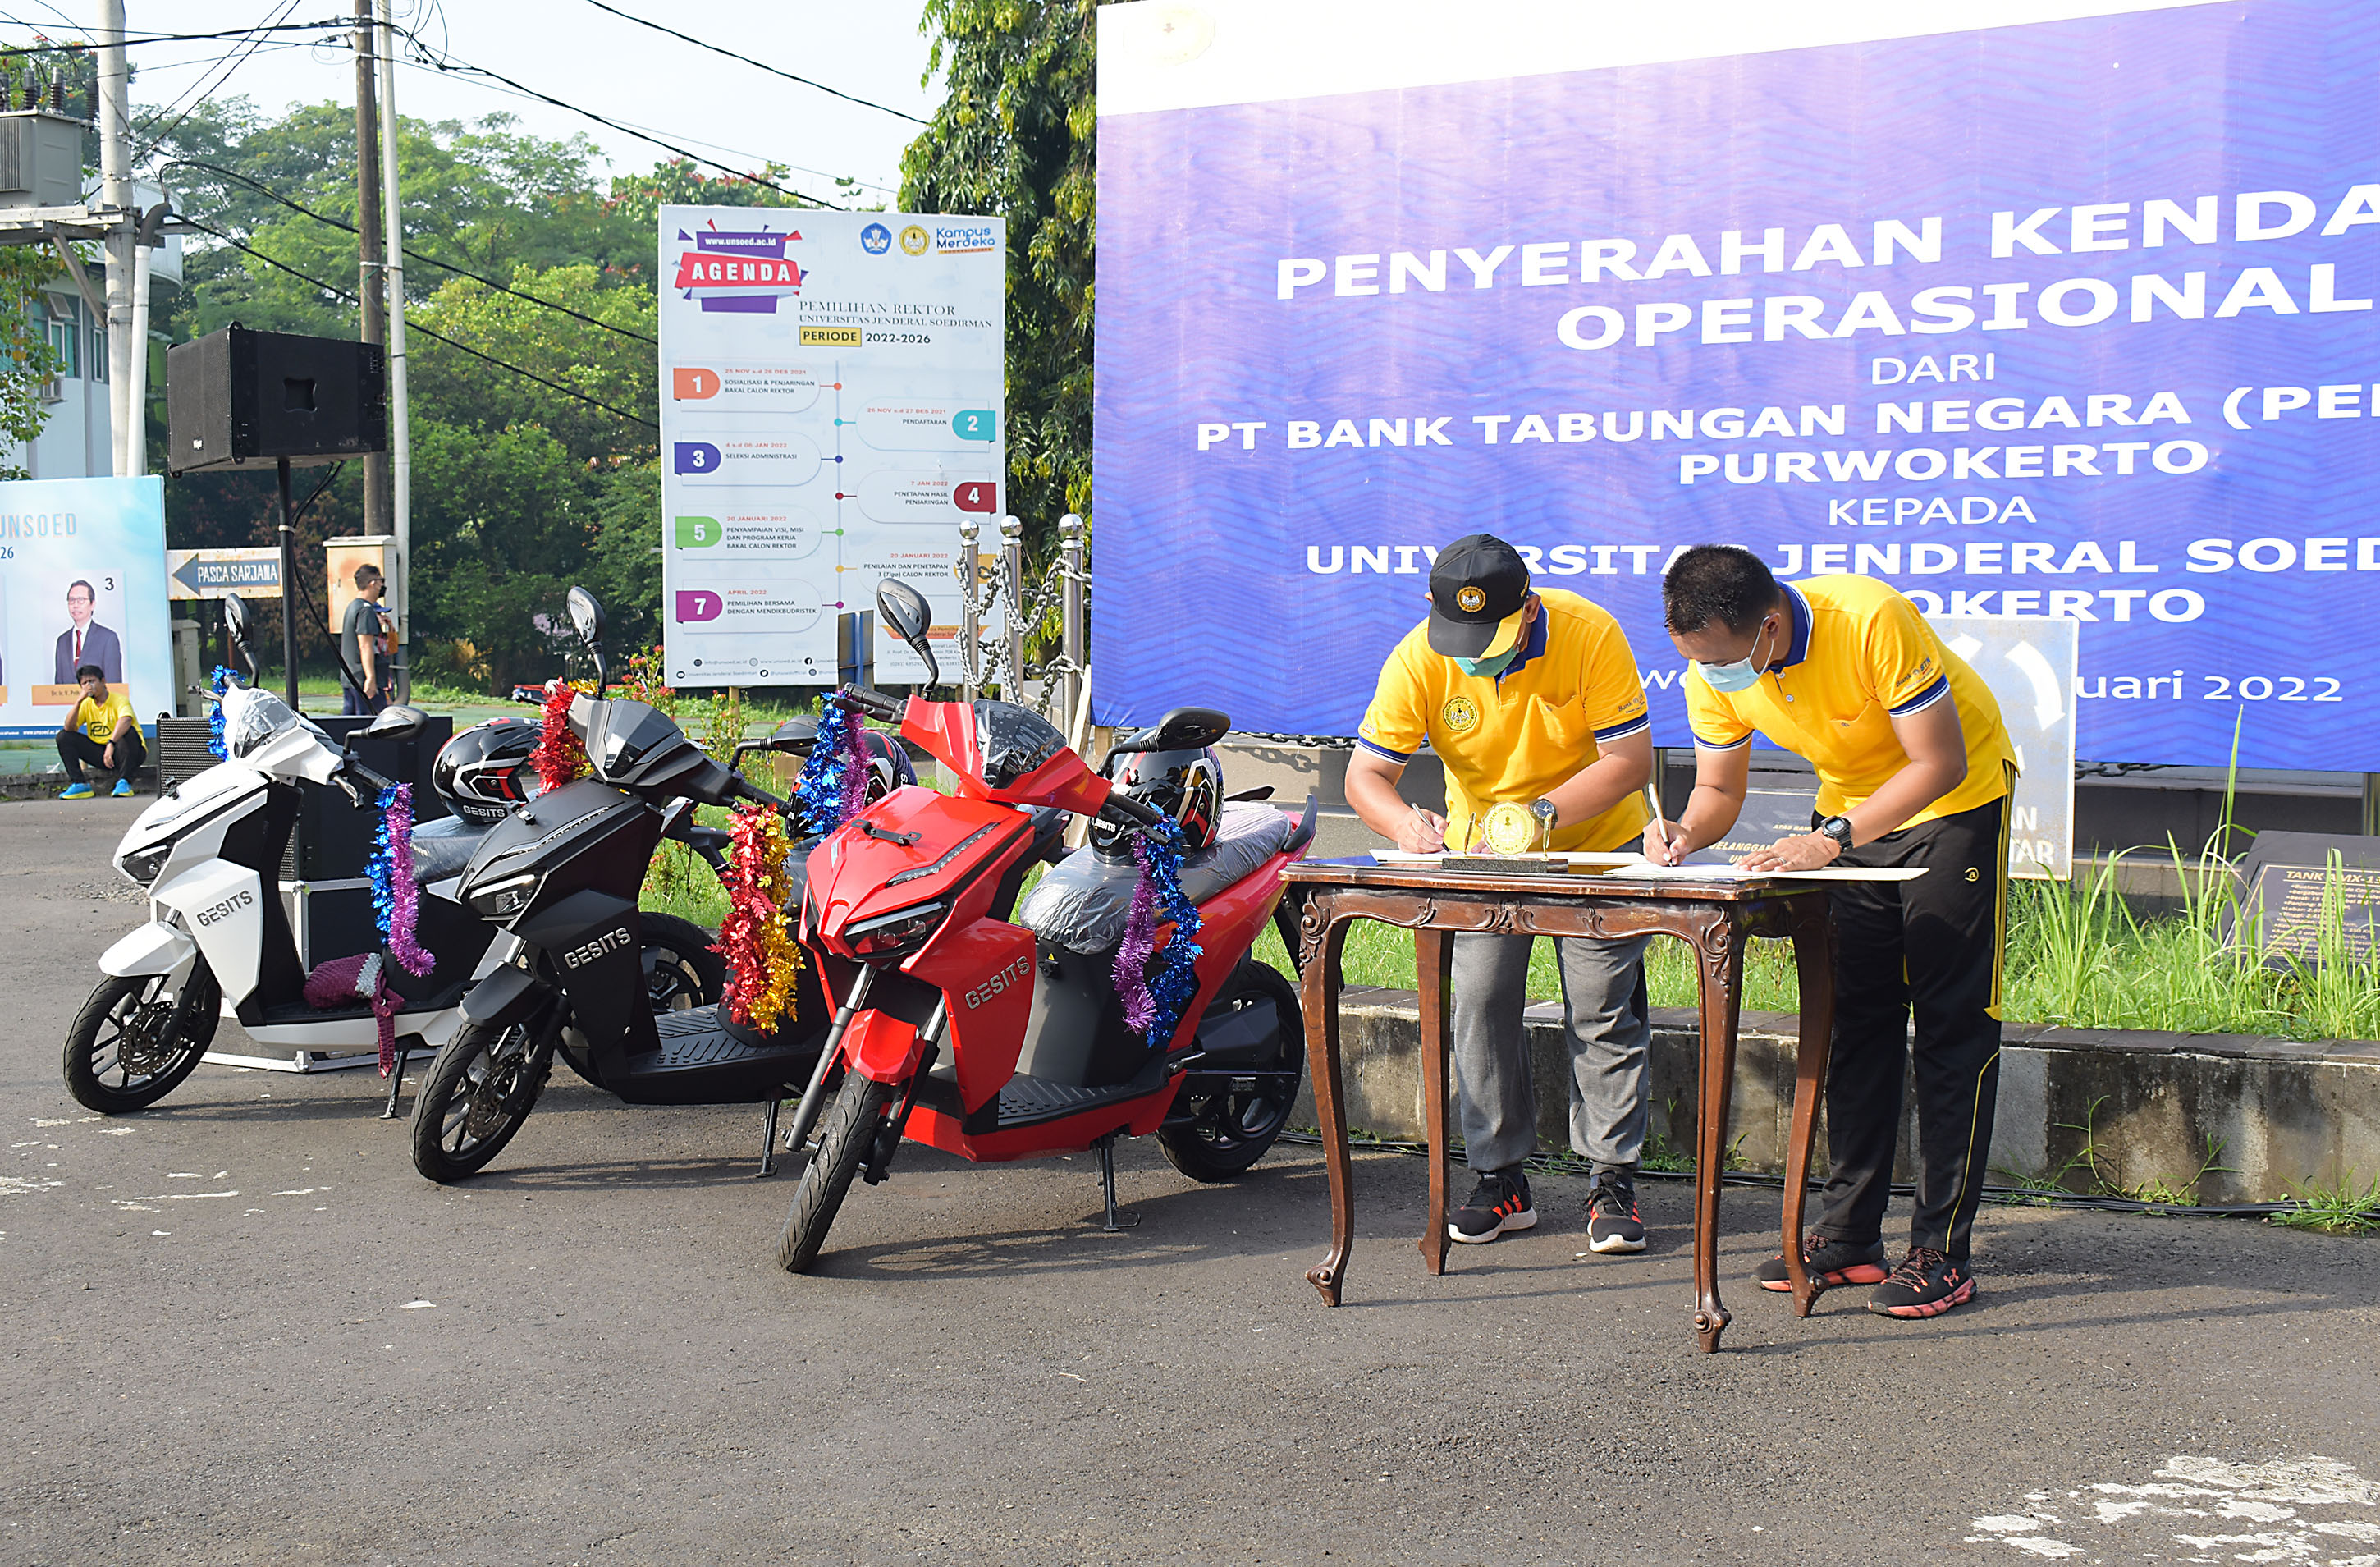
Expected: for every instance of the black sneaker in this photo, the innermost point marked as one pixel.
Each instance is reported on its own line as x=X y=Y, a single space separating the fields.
x=1829 y=1262
x=1926 y=1284
x=1498 y=1203
x=1612 y=1223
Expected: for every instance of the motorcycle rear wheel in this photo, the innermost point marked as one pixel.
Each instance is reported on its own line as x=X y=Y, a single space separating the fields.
x=1227 y=1132
x=481 y=1089
x=681 y=971
x=147 y=1039
x=849 y=1132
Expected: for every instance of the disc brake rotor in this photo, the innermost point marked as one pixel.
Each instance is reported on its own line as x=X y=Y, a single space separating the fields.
x=145 y=1048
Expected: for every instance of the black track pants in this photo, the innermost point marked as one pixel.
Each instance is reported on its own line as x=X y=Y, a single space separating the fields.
x=1934 y=946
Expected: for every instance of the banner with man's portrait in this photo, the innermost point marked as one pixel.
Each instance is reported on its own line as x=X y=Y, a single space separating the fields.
x=82 y=584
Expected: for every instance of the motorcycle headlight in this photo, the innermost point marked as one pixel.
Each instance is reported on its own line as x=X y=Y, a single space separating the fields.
x=499 y=900
x=143 y=865
x=895 y=932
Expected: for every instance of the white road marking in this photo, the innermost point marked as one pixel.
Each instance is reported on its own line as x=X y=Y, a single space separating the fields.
x=2306 y=1510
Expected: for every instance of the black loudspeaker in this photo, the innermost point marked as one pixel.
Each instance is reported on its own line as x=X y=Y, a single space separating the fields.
x=237 y=396
x=334 y=840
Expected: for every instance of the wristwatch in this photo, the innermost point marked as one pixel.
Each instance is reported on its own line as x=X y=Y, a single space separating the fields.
x=1838 y=828
x=1547 y=815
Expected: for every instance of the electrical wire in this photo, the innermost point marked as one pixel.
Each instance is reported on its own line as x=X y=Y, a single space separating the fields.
x=410 y=253
x=757 y=64
x=450 y=66
x=412 y=324
x=205 y=88
x=128 y=42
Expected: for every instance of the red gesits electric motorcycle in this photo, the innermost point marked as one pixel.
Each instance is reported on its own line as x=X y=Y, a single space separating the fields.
x=998 y=1042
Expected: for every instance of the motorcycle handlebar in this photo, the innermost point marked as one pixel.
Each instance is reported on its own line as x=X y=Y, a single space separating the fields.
x=753 y=792
x=1130 y=812
x=875 y=704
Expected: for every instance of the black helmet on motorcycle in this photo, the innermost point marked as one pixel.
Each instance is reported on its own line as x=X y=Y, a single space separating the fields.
x=1186 y=785
x=888 y=764
x=484 y=771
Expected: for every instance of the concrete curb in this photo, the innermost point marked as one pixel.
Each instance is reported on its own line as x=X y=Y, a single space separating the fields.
x=2141 y=1109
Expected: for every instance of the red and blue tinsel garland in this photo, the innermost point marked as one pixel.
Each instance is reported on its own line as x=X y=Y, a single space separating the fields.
x=1157 y=986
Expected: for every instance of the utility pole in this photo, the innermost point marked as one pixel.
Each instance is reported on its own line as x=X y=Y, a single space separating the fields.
x=400 y=453
x=368 y=256
x=116 y=182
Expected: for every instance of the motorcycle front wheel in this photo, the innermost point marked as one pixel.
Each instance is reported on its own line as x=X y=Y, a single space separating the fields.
x=850 y=1131
x=482 y=1088
x=136 y=1040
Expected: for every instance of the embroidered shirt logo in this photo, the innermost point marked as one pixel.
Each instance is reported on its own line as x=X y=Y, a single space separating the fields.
x=1459 y=712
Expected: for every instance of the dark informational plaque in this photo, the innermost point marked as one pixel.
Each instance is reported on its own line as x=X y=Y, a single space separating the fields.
x=2300 y=884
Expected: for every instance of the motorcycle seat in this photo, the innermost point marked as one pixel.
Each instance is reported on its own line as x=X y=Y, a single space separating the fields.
x=442 y=848
x=1081 y=903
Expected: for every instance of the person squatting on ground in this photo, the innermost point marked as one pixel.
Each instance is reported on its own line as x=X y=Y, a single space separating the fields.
x=100 y=732
x=361 y=638
x=1527 y=698
x=1914 y=771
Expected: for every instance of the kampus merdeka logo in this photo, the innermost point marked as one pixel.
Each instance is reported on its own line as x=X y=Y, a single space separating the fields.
x=745 y=271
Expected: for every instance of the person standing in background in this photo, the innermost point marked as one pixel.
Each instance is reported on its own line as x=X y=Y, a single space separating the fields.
x=363 y=641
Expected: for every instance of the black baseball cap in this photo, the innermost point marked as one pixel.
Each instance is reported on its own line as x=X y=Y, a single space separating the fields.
x=1477 y=590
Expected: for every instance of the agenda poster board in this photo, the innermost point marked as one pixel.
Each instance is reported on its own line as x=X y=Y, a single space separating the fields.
x=832 y=408
x=2033 y=308
x=82 y=582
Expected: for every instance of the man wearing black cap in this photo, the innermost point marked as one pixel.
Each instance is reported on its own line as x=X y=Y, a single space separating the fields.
x=1528 y=697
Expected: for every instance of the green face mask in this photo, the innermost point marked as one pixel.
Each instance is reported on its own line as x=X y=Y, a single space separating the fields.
x=1489 y=668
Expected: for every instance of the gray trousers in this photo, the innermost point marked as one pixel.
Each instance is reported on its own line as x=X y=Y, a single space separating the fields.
x=1604 y=1019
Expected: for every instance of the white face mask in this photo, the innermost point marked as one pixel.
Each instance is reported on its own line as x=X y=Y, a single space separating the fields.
x=1741 y=675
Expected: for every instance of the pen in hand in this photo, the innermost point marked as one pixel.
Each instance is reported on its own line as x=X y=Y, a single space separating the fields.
x=1660 y=826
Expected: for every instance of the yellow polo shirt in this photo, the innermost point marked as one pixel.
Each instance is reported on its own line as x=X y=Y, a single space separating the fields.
x=98 y=719
x=1861 y=656
x=1573 y=689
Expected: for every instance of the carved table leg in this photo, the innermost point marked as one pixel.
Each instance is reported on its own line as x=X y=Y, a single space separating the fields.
x=1318 y=996
x=1434 y=964
x=1719 y=952
x=1814 y=958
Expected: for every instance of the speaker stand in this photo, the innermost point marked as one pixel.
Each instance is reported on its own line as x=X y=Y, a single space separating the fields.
x=288 y=589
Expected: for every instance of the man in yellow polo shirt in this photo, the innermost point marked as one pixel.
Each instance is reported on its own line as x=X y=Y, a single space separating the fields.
x=1914 y=770
x=1529 y=699
x=100 y=730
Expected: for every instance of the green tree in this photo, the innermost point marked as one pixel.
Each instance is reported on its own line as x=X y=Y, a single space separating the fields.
x=1015 y=138
x=27 y=360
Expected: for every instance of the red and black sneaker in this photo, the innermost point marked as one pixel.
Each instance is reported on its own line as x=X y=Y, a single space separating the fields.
x=1926 y=1284
x=1612 y=1223
x=1829 y=1262
x=1498 y=1203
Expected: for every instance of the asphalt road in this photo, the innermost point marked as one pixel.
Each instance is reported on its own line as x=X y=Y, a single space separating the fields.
x=239 y=1329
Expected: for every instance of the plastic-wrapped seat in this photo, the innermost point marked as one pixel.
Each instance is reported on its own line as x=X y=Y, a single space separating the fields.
x=442 y=848
x=1083 y=902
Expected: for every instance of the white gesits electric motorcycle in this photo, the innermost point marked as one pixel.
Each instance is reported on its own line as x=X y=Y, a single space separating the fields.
x=210 y=855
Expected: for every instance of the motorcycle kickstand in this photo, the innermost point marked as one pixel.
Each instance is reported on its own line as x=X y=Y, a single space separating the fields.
x=395 y=1084
x=1118 y=1220
x=769 y=1141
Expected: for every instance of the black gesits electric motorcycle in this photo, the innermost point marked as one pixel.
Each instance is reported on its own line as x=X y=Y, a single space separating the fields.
x=561 y=876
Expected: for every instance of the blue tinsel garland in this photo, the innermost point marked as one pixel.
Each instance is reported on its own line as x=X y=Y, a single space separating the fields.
x=826 y=791
x=1157 y=988
x=218 y=683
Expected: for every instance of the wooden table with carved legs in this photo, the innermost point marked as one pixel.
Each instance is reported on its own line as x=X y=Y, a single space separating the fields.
x=1713 y=918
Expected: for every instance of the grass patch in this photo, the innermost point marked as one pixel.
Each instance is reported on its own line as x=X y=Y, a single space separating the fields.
x=2343 y=1209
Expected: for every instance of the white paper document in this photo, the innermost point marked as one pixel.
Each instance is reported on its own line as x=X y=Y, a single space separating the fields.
x=1407 y=856
x=1646 y=870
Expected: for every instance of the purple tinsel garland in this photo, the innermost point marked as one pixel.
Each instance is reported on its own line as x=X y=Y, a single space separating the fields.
x=396 y=900
x=1154 y=1001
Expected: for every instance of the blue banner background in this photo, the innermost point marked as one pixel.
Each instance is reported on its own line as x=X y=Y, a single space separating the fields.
x=1206 y=589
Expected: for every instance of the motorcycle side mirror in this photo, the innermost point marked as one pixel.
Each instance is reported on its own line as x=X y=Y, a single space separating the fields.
x=397 y=722
x=235 y=614
x=904 y=609
x=794 y=737
x=587 y=618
